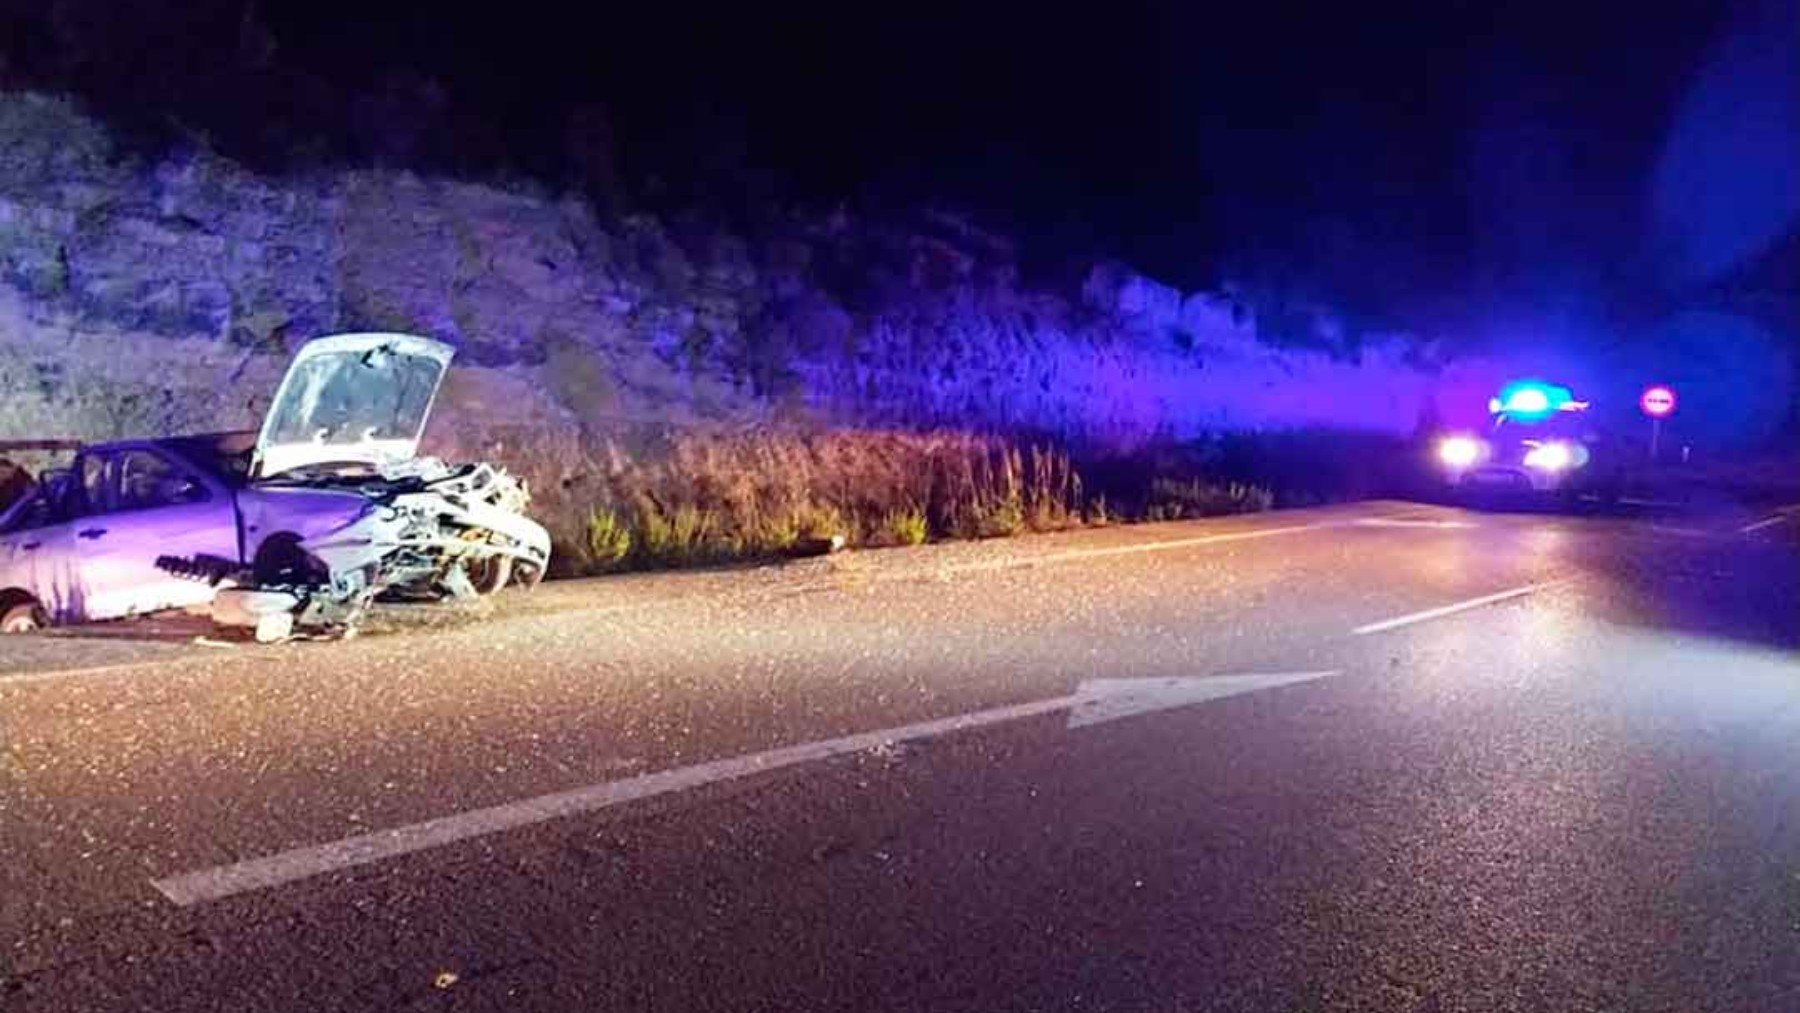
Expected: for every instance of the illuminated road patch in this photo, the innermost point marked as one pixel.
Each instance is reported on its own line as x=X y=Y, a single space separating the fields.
x=1093 y=702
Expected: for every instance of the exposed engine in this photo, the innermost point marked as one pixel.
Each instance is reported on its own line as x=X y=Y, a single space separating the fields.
x=430 y=531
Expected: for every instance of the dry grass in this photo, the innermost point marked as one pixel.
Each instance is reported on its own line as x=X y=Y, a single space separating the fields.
x=661 y=498
x=1172 y=500
x=699 y=498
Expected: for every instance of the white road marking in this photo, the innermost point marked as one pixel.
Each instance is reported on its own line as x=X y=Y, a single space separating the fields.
x=29 y=678
x=1668 y=529
x=175 y=657
x=1091 y=703
x=1766 y=522
x=1128 y=550
x=1102 y=700
x=1452 y=609
x=1402 y=522
x=1021 y=562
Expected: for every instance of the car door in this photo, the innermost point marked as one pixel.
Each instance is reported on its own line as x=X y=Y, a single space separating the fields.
x=149 y=505
x=37 y=554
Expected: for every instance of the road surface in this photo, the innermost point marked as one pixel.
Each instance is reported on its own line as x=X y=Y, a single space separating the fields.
x=1373 y=757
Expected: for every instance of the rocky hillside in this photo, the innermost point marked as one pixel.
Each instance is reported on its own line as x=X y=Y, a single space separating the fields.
x=152 y=296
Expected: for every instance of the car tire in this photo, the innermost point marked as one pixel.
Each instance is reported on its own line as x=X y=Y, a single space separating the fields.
x=282 y=562
x=25 y=617
x=489 y=575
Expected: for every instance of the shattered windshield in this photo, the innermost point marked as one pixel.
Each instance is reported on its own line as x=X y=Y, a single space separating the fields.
x=355 y=398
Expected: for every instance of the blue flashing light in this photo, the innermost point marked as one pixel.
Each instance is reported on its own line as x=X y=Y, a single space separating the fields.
x=1530 y=399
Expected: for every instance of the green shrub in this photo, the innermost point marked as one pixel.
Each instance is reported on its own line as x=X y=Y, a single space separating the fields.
x=608 y=539
x=823 y=520
x=905 y=527
x=1002 y=518
x=777 y=533
x=690 y=529
x=655 y=535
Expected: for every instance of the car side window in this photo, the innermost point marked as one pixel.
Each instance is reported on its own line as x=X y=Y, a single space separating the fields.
x=147 y=480
x=35 y=510
x=90 y=495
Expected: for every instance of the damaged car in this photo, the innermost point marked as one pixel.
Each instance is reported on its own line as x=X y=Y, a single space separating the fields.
x=301 y=525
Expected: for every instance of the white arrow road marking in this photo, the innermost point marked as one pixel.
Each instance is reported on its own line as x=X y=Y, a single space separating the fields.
x=1450 y=610
x=1091 y=703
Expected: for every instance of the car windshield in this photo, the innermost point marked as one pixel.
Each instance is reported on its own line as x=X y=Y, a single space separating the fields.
x=323 y=471
x=351 y=399
x=1559 y=425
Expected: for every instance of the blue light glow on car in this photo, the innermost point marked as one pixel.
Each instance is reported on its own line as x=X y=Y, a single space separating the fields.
x=1530 y=399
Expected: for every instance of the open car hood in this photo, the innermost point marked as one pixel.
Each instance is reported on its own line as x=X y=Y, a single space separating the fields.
x=352 y=399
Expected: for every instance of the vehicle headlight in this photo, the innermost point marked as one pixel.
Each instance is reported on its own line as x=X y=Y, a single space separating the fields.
x=1459 y=451
x=1551 y=456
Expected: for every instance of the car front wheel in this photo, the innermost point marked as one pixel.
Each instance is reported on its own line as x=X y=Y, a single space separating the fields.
x=489 y=575
x=24 y=617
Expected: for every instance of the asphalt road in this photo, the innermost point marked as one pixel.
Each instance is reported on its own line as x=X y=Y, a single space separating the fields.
x=1497 y=762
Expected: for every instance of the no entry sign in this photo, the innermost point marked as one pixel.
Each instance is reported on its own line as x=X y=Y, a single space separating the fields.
x=1657 y=402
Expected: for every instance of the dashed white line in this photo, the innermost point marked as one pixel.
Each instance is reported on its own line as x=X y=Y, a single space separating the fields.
x=1669 y=529
x=1452 y=609
x=1766 y=522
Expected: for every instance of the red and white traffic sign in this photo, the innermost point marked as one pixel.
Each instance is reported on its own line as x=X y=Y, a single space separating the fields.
x=1657 y=402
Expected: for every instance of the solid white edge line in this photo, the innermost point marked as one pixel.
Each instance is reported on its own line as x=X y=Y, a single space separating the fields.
x=58 y=674
x=29 y=678
x=1069 y=555
x=1767 y=522
x=189 y=888
x=1406 y=522
x=1452 y=609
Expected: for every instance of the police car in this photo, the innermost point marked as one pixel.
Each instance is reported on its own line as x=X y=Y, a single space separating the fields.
x=1541 y=440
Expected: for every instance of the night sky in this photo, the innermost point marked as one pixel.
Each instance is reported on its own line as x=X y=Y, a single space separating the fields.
x=1194 y=140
